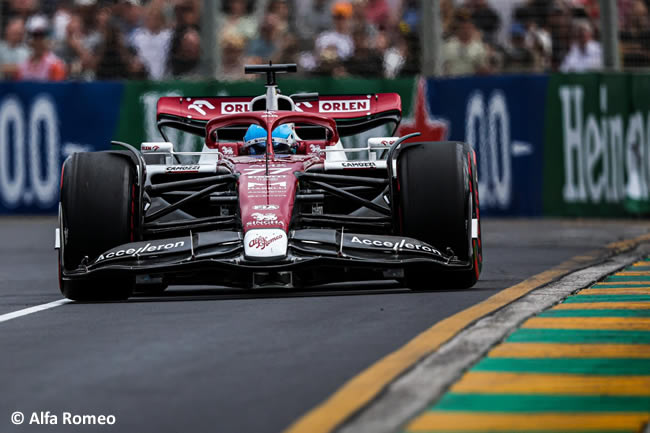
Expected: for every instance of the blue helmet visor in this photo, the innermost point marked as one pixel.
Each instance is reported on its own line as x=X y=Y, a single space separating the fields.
x=282 y=137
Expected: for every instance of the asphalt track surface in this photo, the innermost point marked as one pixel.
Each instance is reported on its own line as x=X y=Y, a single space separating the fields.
x=215 y=360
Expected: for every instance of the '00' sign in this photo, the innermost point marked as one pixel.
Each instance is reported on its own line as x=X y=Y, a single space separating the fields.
x=29 y=153
x=487 y=129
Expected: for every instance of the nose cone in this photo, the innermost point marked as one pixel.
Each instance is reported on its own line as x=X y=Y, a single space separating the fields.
x=266 y=205
x=266 y=199
x=264 y=244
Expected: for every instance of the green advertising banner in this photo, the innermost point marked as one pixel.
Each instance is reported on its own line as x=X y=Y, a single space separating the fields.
x=597 y=145
x=137 y=122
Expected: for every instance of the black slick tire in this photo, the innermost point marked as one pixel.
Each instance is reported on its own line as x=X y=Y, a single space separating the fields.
x=98 y=202
x=438 y=199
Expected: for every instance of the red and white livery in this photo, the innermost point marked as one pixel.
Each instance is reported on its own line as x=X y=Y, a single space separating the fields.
x=311 y=213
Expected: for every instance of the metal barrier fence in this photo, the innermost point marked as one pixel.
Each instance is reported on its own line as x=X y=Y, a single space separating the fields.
x=212 y=39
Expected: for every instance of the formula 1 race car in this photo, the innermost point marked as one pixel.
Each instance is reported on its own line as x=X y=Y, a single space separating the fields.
x=273 y=200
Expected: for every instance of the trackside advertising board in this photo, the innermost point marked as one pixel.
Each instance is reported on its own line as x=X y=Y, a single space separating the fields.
x=503 y=119
x=40 y=125
x=597 y=147
x=565 y=145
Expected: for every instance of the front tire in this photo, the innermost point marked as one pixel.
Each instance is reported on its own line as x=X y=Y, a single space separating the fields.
x=98 y=204
x=438 y=201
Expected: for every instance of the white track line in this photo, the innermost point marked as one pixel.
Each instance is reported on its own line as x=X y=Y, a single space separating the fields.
x=34 y=309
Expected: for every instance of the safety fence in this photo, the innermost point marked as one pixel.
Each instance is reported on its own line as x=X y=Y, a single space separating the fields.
x=547 y=145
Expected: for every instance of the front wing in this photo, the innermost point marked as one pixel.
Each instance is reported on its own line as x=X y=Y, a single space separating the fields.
x=318 y=255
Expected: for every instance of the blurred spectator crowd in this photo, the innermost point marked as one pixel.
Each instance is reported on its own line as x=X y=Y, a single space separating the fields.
x=162 y=39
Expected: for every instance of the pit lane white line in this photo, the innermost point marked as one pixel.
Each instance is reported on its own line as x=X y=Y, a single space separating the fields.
x=34 y=309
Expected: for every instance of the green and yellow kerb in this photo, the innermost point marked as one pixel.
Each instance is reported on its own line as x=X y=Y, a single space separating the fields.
x=582 y=366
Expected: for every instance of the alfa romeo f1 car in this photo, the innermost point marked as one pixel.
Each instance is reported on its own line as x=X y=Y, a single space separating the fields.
x=273 y=200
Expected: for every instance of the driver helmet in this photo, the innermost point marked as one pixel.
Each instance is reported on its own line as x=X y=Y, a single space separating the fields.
x=283 y=138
